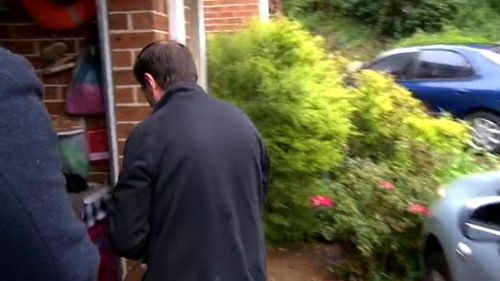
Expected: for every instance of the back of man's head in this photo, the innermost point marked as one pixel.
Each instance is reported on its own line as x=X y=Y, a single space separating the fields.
x=168 y=62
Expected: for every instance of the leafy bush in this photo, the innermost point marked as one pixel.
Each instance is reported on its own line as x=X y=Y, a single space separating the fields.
x=374 y=221
x=393 y=18
x=281 y=76
x=373 y=149
x=479 y=17
x=449 y=35
x=398 y=156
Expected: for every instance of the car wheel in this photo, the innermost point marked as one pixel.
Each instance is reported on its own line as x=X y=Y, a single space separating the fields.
x=486 y=128
x=437 y=268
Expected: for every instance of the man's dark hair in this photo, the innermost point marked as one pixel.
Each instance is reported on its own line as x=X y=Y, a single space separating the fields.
x=168 y=62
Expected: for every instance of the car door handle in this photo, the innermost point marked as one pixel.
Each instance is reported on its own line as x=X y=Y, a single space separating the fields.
x=464 y=251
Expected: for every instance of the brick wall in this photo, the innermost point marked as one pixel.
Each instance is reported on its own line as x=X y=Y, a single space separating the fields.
x=229 y=15
x=134 y=23
x=21 y=35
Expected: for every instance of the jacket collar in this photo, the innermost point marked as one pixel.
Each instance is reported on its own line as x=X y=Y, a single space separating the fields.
x=179 y=90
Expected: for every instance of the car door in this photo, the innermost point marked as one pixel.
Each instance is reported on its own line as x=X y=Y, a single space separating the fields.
x=479 y=252
x=441 y=80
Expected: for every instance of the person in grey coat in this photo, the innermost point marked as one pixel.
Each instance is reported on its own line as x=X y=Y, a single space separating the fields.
x=40 y=236
x=190 y=198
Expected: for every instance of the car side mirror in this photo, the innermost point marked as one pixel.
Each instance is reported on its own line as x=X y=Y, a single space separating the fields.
x=481 y=219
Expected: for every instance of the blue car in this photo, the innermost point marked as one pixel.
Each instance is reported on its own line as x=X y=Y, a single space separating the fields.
x=461 y=80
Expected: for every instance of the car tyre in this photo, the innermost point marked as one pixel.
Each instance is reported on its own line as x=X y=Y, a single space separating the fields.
x=486 y=127
x=437 y=268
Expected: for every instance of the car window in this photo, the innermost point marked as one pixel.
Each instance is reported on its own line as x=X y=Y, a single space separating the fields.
x=488 y=215
x=397 y=65
x=492 y=56
x=441 y=64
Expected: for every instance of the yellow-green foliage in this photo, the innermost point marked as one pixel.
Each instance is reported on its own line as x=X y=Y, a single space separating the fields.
x=326 y=138
x=281 y=76
x=449 y=35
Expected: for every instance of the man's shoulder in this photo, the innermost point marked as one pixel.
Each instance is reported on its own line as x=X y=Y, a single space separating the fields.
x=142 y=128
x=234 y=111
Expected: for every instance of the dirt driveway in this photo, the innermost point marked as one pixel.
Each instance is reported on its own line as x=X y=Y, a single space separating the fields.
x=308 y=263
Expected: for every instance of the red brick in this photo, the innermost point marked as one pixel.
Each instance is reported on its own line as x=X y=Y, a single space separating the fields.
x=149 y=20
x=118 y=21
x=88 y=30
x=209 y=22
x=141 y=98
x=132 y=113
x=71 y=44
x=124 y=77
x=56 y=108
x=100 y=167
x=16 y=15
x=28 y=32
x=95 y=122
x=132 y=5
x=124 y=130
x=58 y=78
x=121 y=148
x=135 y=40
x=99 y=177
x=37 y=62
x=64 y=91
x=124 y=95
x=4 y=32
x=20 y=47
x=213 y=29
x=53 y=93
x=122 y=59
x=230 y=2
x=233 y=13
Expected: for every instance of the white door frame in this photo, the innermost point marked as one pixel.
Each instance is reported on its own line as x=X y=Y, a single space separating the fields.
x=264 y=10
x=176 y=21
x=177 y=32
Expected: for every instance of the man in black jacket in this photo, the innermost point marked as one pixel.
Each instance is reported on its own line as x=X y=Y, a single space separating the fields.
x=40 y=236
x=189 y=201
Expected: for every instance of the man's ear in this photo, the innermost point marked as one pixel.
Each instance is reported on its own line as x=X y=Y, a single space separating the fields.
x=151 y=82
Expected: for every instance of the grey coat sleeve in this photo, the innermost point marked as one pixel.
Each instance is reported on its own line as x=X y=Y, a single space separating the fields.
x=129 y=223
x=40 y=236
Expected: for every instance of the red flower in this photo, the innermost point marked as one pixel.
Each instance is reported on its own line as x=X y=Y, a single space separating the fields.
x=323 y=202
x=420 y=209
x=388 y=185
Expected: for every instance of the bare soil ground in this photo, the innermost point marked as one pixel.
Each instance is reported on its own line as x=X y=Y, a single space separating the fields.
x=306 y=263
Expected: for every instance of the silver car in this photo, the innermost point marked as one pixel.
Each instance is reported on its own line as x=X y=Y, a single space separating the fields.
x=463 y=232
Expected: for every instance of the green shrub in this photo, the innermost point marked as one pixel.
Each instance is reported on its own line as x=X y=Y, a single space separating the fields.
x=449 y=35
x=393 y=18
x=281 y=76
x=379 y=234
x=394 y=142
x=480 y=18
x=326 y=139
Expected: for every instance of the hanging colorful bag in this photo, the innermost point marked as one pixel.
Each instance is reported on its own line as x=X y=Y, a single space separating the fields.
x=86 y=95
x=98 y=144
x=75 y=154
